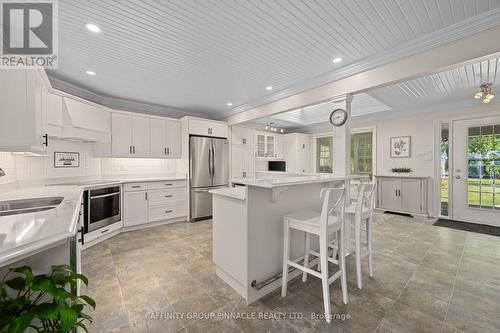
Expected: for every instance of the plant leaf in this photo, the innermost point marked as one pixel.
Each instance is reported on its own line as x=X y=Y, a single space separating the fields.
x=85 y=316
x=44 y=284
x=81 y=277
x=62 y=294
x=26 y=270
x=46 y=310
x=20 y=324
x=68 y=318
x=82 y=325
x=78 y=308
x=16 y=283
x=62 y=268
x=88 y=300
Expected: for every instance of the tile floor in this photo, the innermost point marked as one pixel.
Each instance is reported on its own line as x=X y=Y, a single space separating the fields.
x=427 y=279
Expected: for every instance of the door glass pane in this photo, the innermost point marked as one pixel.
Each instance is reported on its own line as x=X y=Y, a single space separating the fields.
x=483 y=157
x=361 y=153
x=270 y=146
x=324 y=154
x=261 y=145
x=445 y=154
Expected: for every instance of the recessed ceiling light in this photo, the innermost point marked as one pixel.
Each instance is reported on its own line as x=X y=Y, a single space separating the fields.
x=229 y=104
x=337 y=60
x=269 y=88
x=90 y=72
x=92 y=27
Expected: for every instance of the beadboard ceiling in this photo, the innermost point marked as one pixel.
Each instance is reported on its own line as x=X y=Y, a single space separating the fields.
x=457 y=84
x=193 y=57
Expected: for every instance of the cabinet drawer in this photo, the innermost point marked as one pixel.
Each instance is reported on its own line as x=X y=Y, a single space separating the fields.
x=167 y=184
x=167 y=196
x=135 y=187
x=165 y=212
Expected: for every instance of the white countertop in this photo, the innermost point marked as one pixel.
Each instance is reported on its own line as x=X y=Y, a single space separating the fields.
x=289 y=181
x=24 y=234
x=237 y=192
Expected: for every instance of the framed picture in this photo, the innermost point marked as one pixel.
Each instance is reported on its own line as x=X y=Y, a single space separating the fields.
x=401 y=146
x=66 y=160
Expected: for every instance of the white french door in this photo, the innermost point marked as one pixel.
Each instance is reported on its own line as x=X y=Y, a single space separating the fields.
x=476 y=170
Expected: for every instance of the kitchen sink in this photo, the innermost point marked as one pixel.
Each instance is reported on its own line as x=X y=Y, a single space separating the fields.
x=23 y=206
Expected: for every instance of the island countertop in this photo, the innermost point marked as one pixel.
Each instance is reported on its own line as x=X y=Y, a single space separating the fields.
x=24 y=234
x=294 y=180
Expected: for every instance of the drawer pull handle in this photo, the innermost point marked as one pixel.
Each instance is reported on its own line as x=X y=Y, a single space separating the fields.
x=168 y=211
x=169 y=196
x=106 y=230
x=168 y=184
x=136 y=186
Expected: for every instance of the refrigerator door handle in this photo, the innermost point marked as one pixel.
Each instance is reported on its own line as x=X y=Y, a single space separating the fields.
x=213 y=161
x=210 y=162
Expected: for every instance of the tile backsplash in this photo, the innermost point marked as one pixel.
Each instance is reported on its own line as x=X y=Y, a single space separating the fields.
x=28 y=168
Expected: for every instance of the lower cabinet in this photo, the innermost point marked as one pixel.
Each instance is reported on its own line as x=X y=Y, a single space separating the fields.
x=154 y=202
x=135 y=208
x=402 y=194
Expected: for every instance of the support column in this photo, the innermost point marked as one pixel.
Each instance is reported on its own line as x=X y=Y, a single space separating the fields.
x=342 y=138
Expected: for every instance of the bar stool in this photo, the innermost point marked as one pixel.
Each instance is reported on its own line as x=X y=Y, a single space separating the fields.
x=325 y=224
x=361 y=211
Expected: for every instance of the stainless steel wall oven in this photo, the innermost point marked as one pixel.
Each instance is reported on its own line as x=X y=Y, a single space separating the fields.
x=102 y=207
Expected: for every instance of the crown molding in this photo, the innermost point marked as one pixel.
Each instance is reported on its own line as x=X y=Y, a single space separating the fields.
x=119 y=103
x=462 y=29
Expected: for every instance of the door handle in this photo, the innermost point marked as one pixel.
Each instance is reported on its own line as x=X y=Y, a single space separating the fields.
x=168 y=151
x=210 y=162
x=213 y=161
x=46 y=137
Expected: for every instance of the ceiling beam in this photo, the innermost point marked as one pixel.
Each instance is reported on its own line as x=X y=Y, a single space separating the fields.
x=450 y=55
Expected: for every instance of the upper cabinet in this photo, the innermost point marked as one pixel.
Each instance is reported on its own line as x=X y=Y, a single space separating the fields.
x=130 y=136
x=21 y=128
x=268 y=145
x=242 y=135
x=165 y=138
x=208 y=128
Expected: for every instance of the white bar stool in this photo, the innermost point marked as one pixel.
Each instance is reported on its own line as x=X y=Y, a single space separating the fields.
x=330 y=221
x=360 y=211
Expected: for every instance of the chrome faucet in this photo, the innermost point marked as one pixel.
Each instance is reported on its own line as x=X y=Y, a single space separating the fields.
x=2 y=173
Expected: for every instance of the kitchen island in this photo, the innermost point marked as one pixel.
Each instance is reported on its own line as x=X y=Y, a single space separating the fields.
x=248 y=228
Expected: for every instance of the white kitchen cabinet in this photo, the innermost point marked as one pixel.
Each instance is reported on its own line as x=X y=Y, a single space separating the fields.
x=242 y=135
x=52 y=114
x=130 y=135
x=242 y=161
x=135 y=208
x=267 y=145
x=165 y=138
x=208 y=128
x=21 y=128
x=297 y=152
x=402 y=194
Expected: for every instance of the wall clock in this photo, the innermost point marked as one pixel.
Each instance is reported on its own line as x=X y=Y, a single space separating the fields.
x=338 y=117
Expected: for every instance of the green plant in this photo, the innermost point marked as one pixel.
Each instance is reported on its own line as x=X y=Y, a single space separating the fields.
x=401 y=170
x=42 y=302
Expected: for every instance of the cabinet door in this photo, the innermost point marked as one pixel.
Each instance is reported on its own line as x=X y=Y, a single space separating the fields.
x=135 y=208
x=389 y=193
x=270 y=146
x=199 y=127
x=237 y=161
x=140 y=130
x=219 y=130
x=411 y=196
x=237 y=135
x=261 y=145
x=248 y=161
x=158 y=138
x=52 y=119
x=174 y=145
x=121 y=135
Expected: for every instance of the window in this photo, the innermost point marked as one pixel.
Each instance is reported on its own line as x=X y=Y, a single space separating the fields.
x=361 y=153
x=445 y=155
x=324 y=154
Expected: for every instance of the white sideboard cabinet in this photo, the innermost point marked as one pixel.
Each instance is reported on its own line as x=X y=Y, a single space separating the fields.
x=402 y=194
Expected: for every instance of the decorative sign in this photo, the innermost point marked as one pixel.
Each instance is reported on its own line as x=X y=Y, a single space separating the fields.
x=401 y=146
x=66 y=160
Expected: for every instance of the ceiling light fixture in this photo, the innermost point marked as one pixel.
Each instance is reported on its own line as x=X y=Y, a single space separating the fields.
x=485 y=93
x=229 y=104
x=92 y=27
x=269 y=88
x=270 y=126
x=337 y=60
x=90 y=73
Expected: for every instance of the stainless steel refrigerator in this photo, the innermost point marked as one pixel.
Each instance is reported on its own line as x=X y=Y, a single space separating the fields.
x=208 y=169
